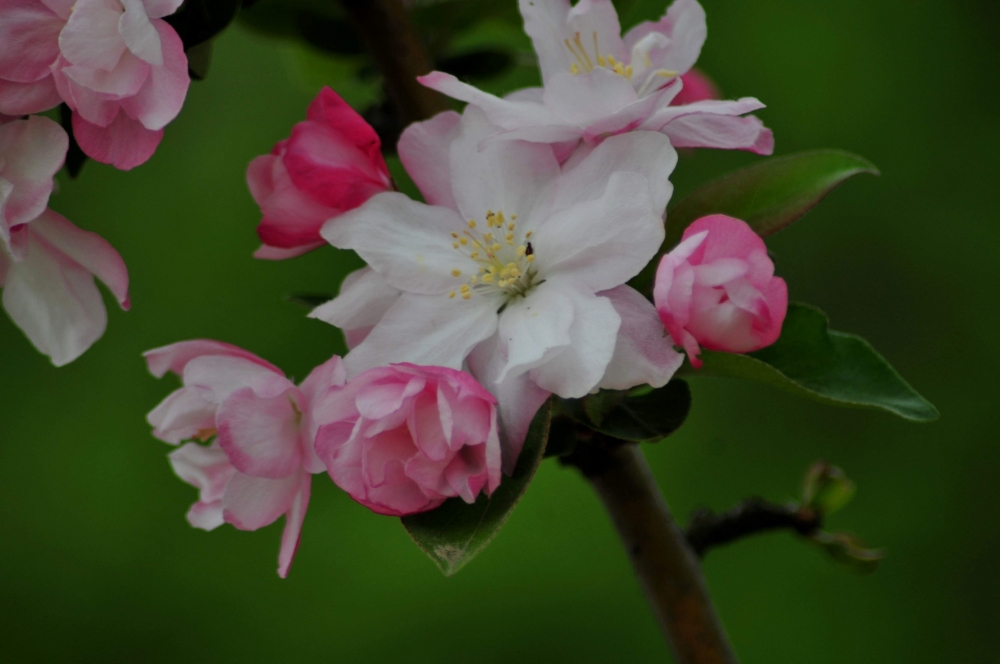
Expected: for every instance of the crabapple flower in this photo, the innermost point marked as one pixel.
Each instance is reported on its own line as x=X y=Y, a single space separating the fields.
x=261 y=464
x=403 y=439
x=509 y=268
x=717 y=289
x=48 y=265
x=332 y=163
x=49 y=290
x=364 y=299
x=598 y=84
x=119 y=67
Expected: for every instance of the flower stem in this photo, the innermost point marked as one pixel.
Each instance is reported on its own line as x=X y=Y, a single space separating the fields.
x=665 y=564
x=393 y=41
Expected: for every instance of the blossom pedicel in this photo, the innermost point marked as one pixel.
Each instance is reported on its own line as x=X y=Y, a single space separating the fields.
x=48 y=265
x=598 y=84
x=261 y=465
x=717 y=289
x=116 y=63
x=332 y=163
x=403 y=439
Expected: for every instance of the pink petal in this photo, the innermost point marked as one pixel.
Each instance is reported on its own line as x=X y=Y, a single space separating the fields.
x=161 y=8
x=29 y=40
x=183 y=415
x=54 y=300
x=32 y=152
x=222 y=375
x=208 y=470
x=162 y=96
x=24 y=98
x=423 y=149
x=260 y=435
x=124 y=144
x=176 y=356
x=697 y=87
x=721 y=132
x=91 y=38
x=269 y=253
x=685 y=28
x=253 y=502
x=330 y=110
x=292 y=533
x=292 y=220
x=123 y=80
x=139 y=34
x=89 y=250
x=644 y=352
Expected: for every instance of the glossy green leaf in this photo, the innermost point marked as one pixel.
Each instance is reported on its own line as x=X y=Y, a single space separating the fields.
x=457 y=532
x=648 y=416
x=813 y=361
x=769 y=196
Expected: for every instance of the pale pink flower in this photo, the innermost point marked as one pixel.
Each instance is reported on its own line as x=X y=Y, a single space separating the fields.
x=261 y=465
x=49 y=292
x=717 y=289
x=515 y=269
x=403 y=439
x=115 y=63
x=332 y=163
x=48 y=265
x=599 y=84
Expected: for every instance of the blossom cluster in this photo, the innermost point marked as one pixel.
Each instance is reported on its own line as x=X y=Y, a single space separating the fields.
x=506 y=285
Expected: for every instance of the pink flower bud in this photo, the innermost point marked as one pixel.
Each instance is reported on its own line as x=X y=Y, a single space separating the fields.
x=717 y=289
x=402 y=439
x=697 y=87
x=332 y=163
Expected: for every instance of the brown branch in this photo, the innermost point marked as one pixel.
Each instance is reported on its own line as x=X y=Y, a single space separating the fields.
x=391 y=38
x=708 y=530
x=667 y=568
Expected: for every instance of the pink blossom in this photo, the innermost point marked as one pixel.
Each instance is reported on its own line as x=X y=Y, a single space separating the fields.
x=115 y=63
x=403 y=439
x=697 y=87
x=48 y=265
x=49 y=292
x=717 y=289
x=260 y=466
x=332 y=163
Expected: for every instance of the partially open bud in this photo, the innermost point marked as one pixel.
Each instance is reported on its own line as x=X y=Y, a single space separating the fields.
x=826 y=488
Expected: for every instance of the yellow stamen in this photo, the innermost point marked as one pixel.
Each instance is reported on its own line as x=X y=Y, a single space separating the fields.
x=451 y=295
x=574 y=69
x=472 y=223
x=464 y=241
x=456 y=273
x=466 y=296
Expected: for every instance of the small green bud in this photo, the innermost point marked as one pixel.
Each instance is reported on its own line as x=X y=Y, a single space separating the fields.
x=826 y=489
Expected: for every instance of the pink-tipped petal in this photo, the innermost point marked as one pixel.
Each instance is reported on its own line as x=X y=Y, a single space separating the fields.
x=124 y=144
x=24 y=98
x=292 y=533
x=251 y=503
x=260 y=435
x=162 y=95
x=29 y=40
x=644 y=352
x=32 y=152
x=175 y=357
x=424 y=148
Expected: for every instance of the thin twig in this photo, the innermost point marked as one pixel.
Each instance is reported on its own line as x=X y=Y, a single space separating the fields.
x=708 y=530
x=391 y=38
x=667 y=568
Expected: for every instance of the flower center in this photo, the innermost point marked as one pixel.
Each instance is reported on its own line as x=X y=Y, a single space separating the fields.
x=585 y=65
x=502 y=256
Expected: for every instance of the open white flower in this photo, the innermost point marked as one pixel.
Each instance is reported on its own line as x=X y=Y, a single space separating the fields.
x=520 y=265
x=598 y=83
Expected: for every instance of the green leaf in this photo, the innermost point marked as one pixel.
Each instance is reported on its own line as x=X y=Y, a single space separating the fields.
x=645 y=417
x=833 y=367
x=769 y=196
x=457 y=532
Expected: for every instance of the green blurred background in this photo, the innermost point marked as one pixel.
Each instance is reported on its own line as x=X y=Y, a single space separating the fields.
x=97 y=562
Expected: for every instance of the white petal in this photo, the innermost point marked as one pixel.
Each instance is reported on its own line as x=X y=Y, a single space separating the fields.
x=518 y=398
x=423 y=149
x=605 y=242
x=577 y=370
x=586 y=99
x=546 y=22
x=646 y=153
x=514 y=176
x=430 y=330
x=364 y=298
x=139 y=34
x=535 y=328
x=408 y=243
x=503 y=113
x=644 y=352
